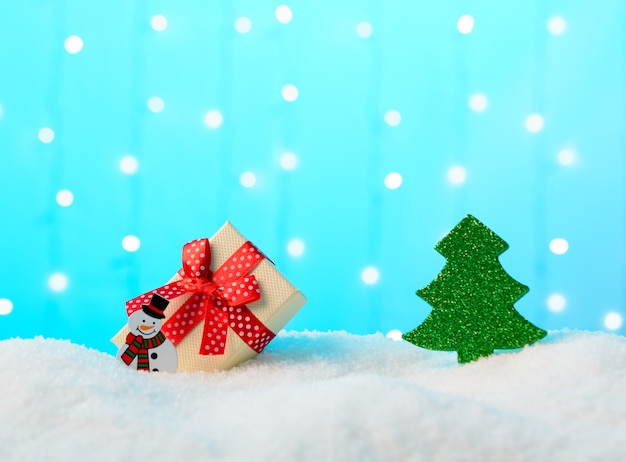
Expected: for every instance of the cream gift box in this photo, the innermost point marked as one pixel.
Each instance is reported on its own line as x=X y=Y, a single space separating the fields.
x=210 y=317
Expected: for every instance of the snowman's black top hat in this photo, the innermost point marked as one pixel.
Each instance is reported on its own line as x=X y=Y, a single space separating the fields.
x=156 y=307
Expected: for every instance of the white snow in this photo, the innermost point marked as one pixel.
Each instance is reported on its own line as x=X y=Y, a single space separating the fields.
x=320 y=397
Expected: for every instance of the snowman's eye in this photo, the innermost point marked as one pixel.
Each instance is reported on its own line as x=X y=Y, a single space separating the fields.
x=154 y=323
x=143 y=321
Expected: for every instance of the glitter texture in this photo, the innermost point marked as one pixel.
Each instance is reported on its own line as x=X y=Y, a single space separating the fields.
x=472 y=298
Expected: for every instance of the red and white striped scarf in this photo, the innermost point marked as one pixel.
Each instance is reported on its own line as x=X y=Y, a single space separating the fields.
x=138 y=347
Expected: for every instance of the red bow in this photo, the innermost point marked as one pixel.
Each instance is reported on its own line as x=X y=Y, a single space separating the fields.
x=219 y=298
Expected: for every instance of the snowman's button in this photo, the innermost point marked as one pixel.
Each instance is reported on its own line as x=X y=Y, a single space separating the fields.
x=154 y=356
x=155 y=370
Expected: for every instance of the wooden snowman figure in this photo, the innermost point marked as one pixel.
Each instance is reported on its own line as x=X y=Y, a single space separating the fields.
x=146 y=348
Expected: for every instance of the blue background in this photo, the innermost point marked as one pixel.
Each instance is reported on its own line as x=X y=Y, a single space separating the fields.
x=335 y=201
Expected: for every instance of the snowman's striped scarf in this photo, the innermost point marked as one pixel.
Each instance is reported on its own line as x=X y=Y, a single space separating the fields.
x=138 y=346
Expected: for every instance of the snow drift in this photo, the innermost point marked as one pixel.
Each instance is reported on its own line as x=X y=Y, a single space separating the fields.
x=320 y=396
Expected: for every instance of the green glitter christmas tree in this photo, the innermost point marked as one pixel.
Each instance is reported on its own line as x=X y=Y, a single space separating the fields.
x=472 y=298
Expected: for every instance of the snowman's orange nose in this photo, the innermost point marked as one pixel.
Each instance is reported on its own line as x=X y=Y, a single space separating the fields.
x=144 y=327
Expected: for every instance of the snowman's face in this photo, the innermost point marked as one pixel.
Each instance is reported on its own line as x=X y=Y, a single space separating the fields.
x=143 y=324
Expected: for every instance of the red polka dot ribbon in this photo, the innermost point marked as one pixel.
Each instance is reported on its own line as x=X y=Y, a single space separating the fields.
x=219 y=298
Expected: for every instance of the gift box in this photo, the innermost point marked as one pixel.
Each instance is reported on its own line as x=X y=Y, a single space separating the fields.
x=226 y=303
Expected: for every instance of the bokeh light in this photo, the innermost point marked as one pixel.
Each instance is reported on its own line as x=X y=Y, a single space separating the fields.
x=465 y=24
x=556 y=25
x=613 y=320
x=364 y=29
x=73 y=44
x=556 y=303
x=156 y=104
x=393 y=180
x=6 y=306
x=129 y=165
x=457 y=175
x=290 y=93
x=58 y=282
x=534 y=123
x=559 y=246
x=247 y=179
x=213 y=119
x=46 y=135
x=295 y=247
x=158 y=22
x=478 y=102
x=370 y=275
x=288 y=161
x=243 y=25
x=393 y=118
x=284 y=14
x=131 y=243
x=566 y=157
x=394 y=334
x=65 y=198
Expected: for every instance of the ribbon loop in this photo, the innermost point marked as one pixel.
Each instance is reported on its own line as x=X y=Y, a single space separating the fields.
x=241 y=291
x=197 y=259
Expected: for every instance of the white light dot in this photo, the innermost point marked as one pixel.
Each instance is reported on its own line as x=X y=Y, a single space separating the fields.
x=556 y=25
x=284 y=14
x=158 y=22
x=57 y=282
x=247 y=179
x=73 y=44
x=1 y=110
x=370 y=275
x=613 y=320
x=393 y=180
x=465 y=24
x=534 y=123
x=65 y=198
x=457 y=175
x=213 y=119
x=559 y=246
x=156 y=104
x=295 y=247
x=364 y=29
x=566 y=157
x=129 y=165
x=46 y=135
x=290 y=93
x=393 y=118
x=556 y=303
x=288 y=161
x=478 y=102
x=243 y=25
x=6 y=306
x=131 y=243
x=394 y=334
